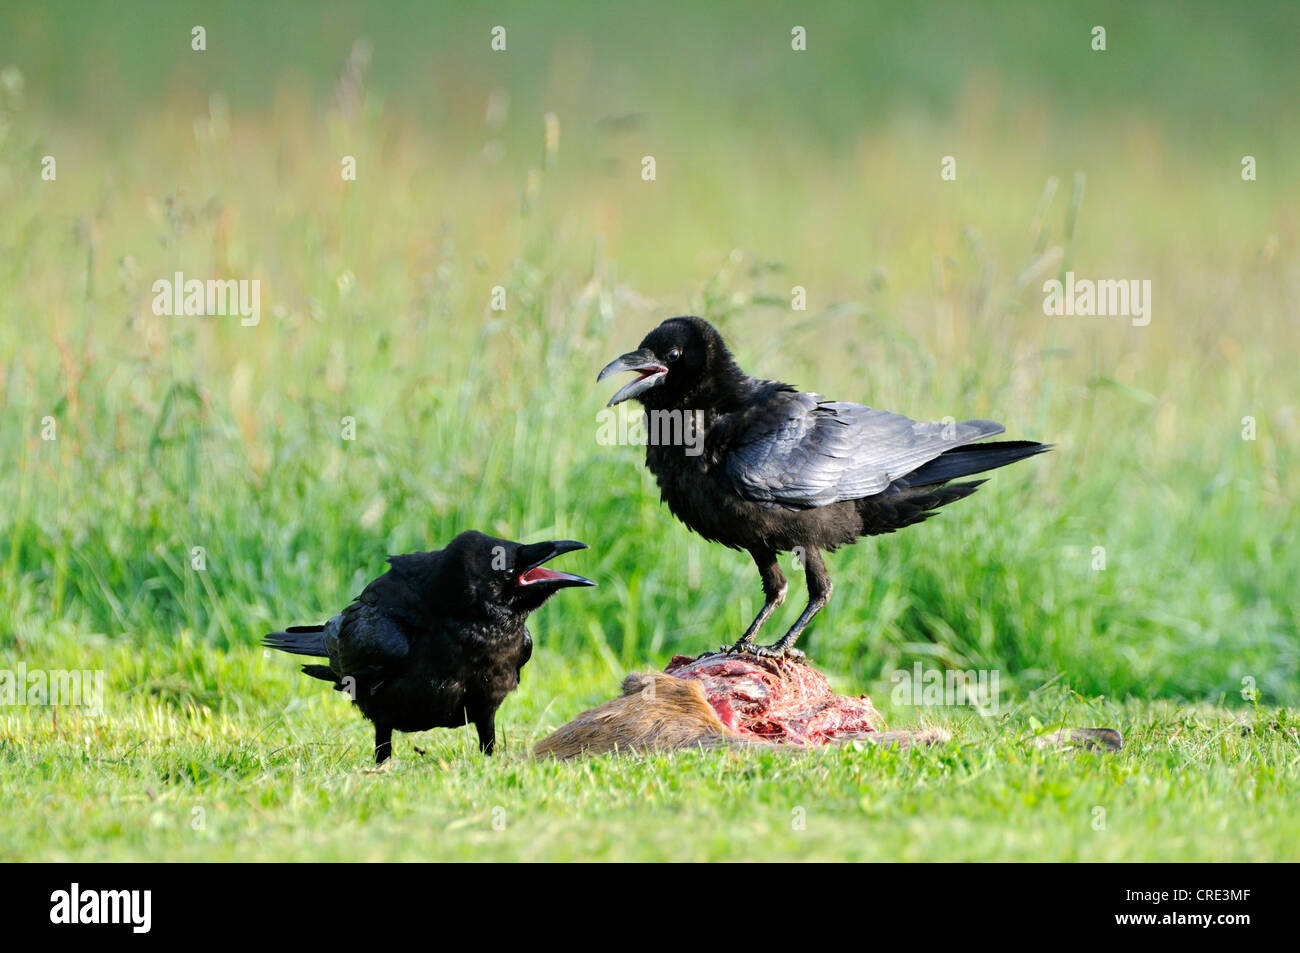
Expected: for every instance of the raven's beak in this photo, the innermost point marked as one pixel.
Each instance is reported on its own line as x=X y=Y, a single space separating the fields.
x=528 y=563
x=645 y=364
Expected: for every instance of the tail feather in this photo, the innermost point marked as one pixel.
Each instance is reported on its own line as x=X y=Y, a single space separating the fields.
x=904 y=505
x=299 y=640
x=324 y=673
x=974 y=458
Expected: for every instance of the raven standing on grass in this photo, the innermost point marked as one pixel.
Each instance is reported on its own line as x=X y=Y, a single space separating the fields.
x=783 y=471
x=439 y=640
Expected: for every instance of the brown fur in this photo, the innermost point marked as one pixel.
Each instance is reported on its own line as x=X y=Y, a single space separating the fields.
x=1092 y=739
x=658 y=712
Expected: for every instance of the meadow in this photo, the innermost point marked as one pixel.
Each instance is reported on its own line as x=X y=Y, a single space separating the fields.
x=175 y=486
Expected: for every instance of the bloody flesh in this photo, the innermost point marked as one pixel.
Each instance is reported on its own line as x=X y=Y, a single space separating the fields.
x=777 y=700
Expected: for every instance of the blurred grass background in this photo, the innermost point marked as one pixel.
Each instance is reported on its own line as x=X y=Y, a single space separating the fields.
x=775 y=169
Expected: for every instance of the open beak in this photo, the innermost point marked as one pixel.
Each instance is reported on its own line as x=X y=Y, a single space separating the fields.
x=528 y=563
x=650 y=373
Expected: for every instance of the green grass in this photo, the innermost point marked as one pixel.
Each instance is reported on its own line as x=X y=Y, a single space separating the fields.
x=175 y=433
x=282 y=774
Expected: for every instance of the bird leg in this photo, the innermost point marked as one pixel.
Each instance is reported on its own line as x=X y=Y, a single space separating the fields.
x=383 y=743
x=774 y=589
x=487 y=734
x=819 y=593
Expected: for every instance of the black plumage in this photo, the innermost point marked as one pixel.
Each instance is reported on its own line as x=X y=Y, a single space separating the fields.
x=439 y=640
x=771 y=470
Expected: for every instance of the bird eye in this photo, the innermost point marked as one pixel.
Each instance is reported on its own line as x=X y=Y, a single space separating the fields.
x=674 y=354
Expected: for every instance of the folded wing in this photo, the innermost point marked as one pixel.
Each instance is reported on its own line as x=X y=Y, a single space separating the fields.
x=806 y=451
x=368 y=643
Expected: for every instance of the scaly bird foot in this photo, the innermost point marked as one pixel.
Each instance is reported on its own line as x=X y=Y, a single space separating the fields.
x=768 y=651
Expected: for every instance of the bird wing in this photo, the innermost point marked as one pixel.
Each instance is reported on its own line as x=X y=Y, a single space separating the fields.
x=804 y=451
x=368 y=642
x=372 y=636
x=525 y=653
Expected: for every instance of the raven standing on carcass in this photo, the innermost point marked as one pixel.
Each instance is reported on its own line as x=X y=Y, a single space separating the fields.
x=779 y=470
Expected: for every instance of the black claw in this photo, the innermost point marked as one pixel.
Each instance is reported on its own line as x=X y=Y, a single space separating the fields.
x=762 y=651
x=777 y=651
